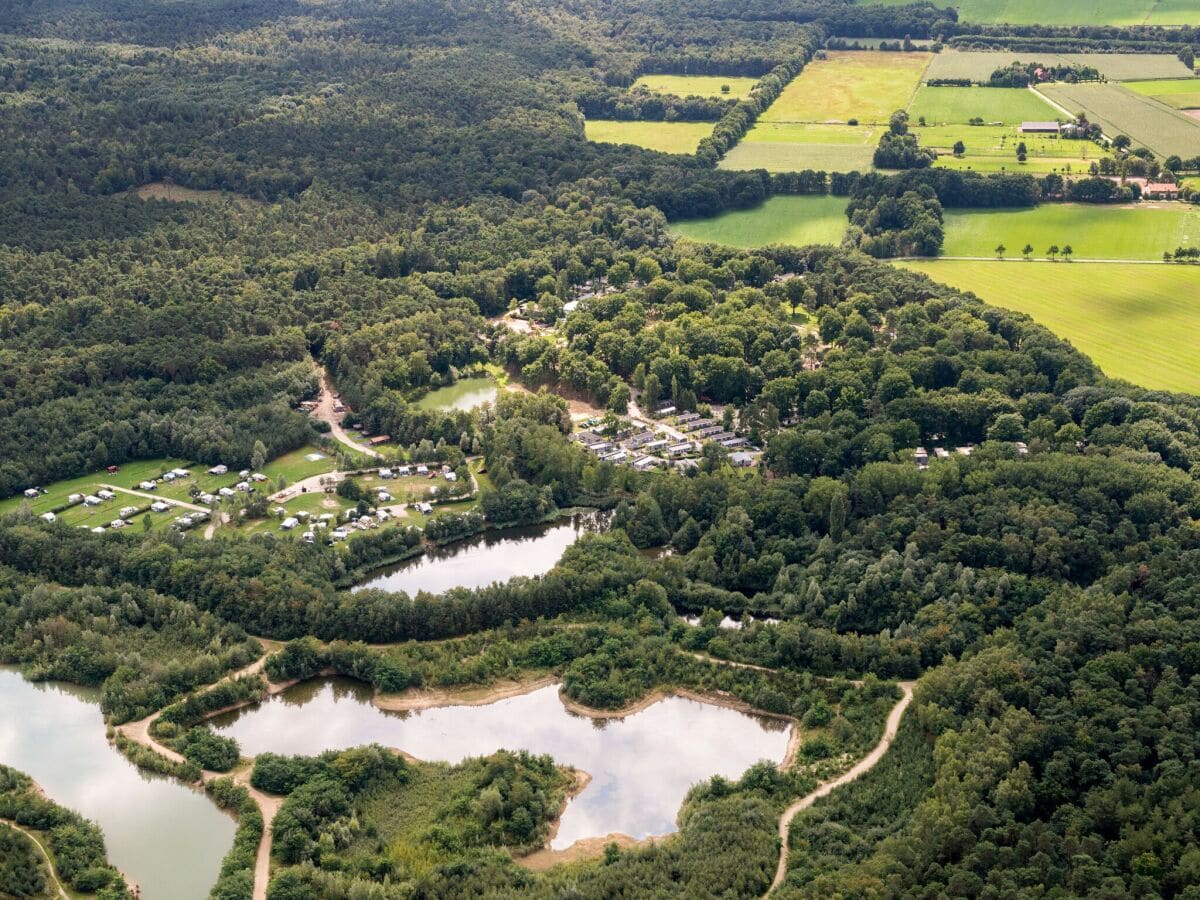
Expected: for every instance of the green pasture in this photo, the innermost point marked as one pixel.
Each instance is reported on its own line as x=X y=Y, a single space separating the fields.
x=666 y=137
x=1139 y=322
x=1072 y=12
x=1094 y=232
x=978 y=65
x=296 y=466
x=780 y=220
x=1180 y=93
x=991 y=148
x=851 y=84
x=958 y=105
x=697 y=85
x=781 y=157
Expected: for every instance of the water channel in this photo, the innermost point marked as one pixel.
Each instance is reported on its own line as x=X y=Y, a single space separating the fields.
x=641 y=766
x=488 y=557
x=165 y=837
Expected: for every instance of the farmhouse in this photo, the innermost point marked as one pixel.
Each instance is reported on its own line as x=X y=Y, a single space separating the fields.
x=1040 y=128
x=1164 y=190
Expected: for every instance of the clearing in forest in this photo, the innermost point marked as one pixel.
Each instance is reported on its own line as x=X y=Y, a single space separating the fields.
x=850 y=84
x=1093 y=232
x=1136 y=321
x=698 y=85
x=666 y=137
x=780 y=220
x=1071 y=12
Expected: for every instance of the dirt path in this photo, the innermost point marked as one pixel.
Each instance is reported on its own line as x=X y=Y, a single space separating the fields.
x=866 y=764
x=194 y=507
x=62 y=892
x=636 y=413
x=325 y=413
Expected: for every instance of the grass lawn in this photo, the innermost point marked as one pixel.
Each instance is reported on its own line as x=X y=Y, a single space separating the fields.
x=296 y=466
x=1095 y=232
x=1119 y=110
x=979 y=64
x=993 y=148
x=851 y=84
x=1137 y=322
x=697 y=85
x=667 y=137
x=781 y=220
x=1181 y=93
x=958 y=105
x=128 y=477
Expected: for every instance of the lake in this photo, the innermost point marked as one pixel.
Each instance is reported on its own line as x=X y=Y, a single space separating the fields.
x=164 y=836
x=641 y=766
x=465 y=394
x=492 y=556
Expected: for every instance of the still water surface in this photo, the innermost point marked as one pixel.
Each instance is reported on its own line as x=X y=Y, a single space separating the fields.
x=641 y=766
x=464 y=394
x=488 y=557
x=165 y=837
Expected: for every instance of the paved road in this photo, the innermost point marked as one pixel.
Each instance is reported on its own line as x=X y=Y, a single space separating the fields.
x=866 y=764
x=636 y=413
x=325 y=413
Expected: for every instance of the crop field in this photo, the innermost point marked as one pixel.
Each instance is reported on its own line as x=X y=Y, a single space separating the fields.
x=781 y=220
x=1094 y=232
x=1181 y=93
x=697 y=85
x=850 y=84
x=980 y=64
x=994 y=149
x=776 y=156
x=1137 y=322
x=1072 y=12
x=667 y=137
x=958 y=105
x=1119 y=110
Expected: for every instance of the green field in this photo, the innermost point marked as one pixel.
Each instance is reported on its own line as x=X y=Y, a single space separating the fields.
x=1094 y=232
x=978 y=65
x=958 y=105
x=850 y=84
x=994 y=149
x=781 y=220
x=1180 y=93
x=1119 y=110
x=1071 y=12
x=1136 y=321
x=784 y=157
x=697 y=85
x=667 y=137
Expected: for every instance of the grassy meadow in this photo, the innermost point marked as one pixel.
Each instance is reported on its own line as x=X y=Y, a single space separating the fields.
x=1137 y=322
x=979 y=64
x=1094 y=232
x=1072 y=12
x=781 y=220
x=958 y=105
x=993 y=148
x=667 y=137
x=1180 y=93
x=1119 y=110
x=697 y=85
x=851 y=84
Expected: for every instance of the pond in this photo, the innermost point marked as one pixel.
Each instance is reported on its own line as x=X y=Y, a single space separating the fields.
x=464 y=394
x=165 y=837
x=641 y=766
x=488 y=557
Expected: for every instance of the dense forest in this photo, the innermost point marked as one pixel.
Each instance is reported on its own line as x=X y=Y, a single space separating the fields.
x=382 y=182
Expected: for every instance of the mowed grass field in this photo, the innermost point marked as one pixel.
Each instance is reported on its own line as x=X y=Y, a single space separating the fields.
x=958 y=105
x=697 y=85
x=796 y=157
x=1137 y=322
x=978 y=65
x=1072 y=12
x=1094 y=232
x=667 y=137
x=781 y=220
x=851 y=84
x=1119 y=110
x=1180 y=93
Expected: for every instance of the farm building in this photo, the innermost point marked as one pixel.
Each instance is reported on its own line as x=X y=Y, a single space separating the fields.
x=1160 y=191
x=1040 y=128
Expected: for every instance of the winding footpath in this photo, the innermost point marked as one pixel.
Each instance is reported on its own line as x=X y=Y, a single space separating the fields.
x=866 y=764
x=326 y=413
x=62 y=893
